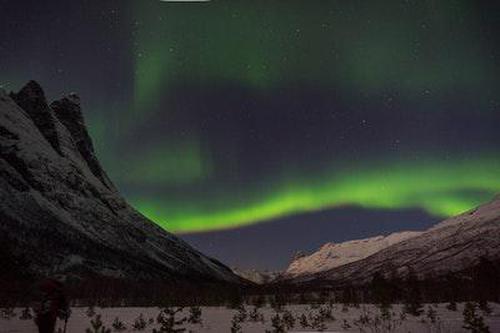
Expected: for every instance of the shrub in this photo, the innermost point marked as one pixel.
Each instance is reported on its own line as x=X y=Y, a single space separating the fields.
x=255 y=315
x=288 y=319
x=7 y=313
x=452 y=306
x=97 y=326
x=472 y=320
x=485 y=307
x=90 y=311
x=118 y=325
x=317 y=323
x=345 y=325
x=26 y=314
x=277 y=324
x=304 y=323
x=139 y=323
x=242 y=314
x=235 y=324
x=168 y=321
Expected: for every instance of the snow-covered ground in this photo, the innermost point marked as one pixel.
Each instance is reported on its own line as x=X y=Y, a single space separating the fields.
x=218 y=319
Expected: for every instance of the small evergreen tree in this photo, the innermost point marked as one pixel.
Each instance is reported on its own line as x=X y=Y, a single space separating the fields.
x=118 y=325
x=168 y=321
x=431 y=314
x=452 y=306
x=317 y=323
x=90 y=312
x=277 y=324
x=139 y=323
x=97 y=326
x=326 y=312
x=235 y=324
x=7 y=313
x=345 y=325
x=242 y=314
x=485 y=307
x=194 y=315
x=26 y=314
x=472 y=320
x=255 y=315
x=304 y=323
x=288 y=319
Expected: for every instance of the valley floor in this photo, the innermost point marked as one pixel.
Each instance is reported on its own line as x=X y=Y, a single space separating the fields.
x=218 y=319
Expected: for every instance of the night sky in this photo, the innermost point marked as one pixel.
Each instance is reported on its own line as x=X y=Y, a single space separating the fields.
x=257 y=128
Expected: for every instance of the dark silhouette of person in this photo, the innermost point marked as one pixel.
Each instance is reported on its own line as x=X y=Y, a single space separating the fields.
x=52 y=304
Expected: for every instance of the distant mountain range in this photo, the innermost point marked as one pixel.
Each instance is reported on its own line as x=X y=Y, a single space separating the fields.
x=61 y=214
x=452 y=246
x=333 y=255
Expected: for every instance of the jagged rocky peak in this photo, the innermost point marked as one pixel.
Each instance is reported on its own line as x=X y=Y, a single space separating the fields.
x=31 y=98
x=60 y=214
x=32 y=91
x=68 y=111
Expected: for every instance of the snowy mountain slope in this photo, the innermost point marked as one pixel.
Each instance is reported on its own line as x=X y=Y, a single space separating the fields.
x=59 y=212
x=333 y=255
x=258 y=277
x=451 y=246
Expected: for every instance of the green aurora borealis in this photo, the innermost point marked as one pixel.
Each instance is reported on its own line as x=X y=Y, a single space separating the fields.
x=410 y=48
x=441 y=188
x=222 y=114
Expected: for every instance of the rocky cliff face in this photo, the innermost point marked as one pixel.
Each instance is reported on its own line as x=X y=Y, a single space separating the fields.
x=59 y=211
x=453 y=245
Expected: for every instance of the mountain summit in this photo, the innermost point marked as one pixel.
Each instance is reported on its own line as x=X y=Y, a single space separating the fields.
x=59 y=211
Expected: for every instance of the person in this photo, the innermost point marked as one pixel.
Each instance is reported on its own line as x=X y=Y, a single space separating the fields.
x=52 y=304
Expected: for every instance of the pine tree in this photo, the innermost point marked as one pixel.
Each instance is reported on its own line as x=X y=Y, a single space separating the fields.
x=242 y=313
x=485 y=307
x=317 y=323
x=345 y=325
x=139 y=323
x=326 y=313
x=304 y=323
x=7 y=313
x=431 y=315
x=118 y=325
x=97 y=326
x=168 y=321
x=194 y=315
x=90 y=311
x=26 y=314
x=255 y=315
x=288 y=319
x=277 y=324
x=472 y=320
x=235 y=324
x=452 y=306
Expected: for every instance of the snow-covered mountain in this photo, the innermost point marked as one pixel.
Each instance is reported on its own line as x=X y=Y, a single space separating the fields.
x=453 y=245
x=333 y=255
x=60 y=212
x=258 y=277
